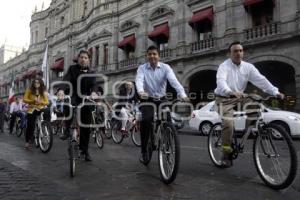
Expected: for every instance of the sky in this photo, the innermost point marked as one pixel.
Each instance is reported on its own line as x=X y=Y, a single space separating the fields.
x=15 y=17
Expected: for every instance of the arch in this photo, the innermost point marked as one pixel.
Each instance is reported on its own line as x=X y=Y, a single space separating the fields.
x=186 y=77
x=280 y=58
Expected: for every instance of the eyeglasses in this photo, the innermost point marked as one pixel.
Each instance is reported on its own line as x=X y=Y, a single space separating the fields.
x=37 y=82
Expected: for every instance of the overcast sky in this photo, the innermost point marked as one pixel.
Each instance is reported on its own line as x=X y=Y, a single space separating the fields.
x=15 y=18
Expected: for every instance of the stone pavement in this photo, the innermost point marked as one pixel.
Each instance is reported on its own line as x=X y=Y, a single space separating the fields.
x=15 y=183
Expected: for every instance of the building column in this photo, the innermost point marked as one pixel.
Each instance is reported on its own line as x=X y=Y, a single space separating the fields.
x=230 y=31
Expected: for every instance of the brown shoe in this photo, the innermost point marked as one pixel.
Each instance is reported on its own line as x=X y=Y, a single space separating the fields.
x=28 y=146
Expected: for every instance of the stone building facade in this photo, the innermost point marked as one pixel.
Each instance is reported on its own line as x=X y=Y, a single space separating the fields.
x=193 y=37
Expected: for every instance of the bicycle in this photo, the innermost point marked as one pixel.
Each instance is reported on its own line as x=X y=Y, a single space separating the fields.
x=133 y=128
x=19 y=129
x=43 y=136
x=108 y=125
x=96 y=131
x=163 y=138
x=267 y=150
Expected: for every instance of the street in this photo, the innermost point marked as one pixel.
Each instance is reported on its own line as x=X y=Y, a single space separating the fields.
x=116 y=173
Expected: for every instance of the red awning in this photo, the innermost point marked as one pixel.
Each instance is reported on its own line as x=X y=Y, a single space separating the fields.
x=58 y=64
x=127 y=41
x=33 y=71
x=201 y=15
x=248 y=3
x=160 y=30
x=251 y=2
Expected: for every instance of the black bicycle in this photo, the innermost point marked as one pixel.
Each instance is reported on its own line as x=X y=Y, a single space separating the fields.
x=275 y=159
x=19 y=129
x=164 y=139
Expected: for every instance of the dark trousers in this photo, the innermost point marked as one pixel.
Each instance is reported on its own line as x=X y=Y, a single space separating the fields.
x=31 y=121
x=86 y=119
x=22 y=116
x=2 y=122
x=148 y=112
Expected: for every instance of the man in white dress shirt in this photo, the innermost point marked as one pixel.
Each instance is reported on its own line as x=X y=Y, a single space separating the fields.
x=151 y=81
x=232 y=78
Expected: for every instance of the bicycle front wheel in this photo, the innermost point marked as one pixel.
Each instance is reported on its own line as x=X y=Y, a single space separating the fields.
x=117 y=135
x=168 y=154
x=98 y=138
x=108 y=129
x=45 y=137
x=19 y=130
x=275 y=159
x=72 y=157
x=215 y=144
x=136 y=136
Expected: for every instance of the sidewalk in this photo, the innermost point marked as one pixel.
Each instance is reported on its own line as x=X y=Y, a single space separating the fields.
x=15 y=183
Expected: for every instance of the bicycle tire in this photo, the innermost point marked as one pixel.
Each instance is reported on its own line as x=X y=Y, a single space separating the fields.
x=99 y=138
x=45 y=137
x=214 y=144
x=169 y=147
x=19 y=130
x=72 y=157
x=117 y=136
x=292 y=169
x=136 y=136
x=108 y=129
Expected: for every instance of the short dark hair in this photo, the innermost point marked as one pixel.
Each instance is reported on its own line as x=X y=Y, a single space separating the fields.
x=152 y=48
x=233 y=43
x=84 y=52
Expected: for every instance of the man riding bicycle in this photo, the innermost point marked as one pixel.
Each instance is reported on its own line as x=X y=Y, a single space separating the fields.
x=232 y=78
x=17 y=109
x=87 y=86
x=151 y=81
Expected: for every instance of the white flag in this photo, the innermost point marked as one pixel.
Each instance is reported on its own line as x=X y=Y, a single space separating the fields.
x=11 y=93
x=45 y=69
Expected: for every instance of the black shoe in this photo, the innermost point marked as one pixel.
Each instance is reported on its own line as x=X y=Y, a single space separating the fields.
x=87 y=157
x=226 y=160
x=64 y=136
x=144 y=159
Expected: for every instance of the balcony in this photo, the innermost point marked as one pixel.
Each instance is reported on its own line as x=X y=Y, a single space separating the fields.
x=128 y=63
x=203 y=45
x=262 y=31
x=165 y=54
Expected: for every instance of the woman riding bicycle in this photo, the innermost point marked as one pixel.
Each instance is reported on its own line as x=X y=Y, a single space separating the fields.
x=37 y=99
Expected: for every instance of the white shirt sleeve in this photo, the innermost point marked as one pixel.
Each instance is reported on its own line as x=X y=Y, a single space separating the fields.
x=11 y=108
x=261 y=82
x=222 y=80
x=174 y=82
x=139 y=79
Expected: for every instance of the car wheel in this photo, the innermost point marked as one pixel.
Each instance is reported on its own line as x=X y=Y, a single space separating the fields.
x=205 y=128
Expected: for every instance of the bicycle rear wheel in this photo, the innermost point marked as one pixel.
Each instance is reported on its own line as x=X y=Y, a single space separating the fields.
x=168 y=154
x=275 y=159
x=117 y=135
x=136 y=136
x=215 y=144
x=45 y=137
x=108 y=129
x=72 y=157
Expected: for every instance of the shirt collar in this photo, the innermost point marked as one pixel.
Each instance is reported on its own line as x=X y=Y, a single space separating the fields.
x=159 y=65
x=235 y=65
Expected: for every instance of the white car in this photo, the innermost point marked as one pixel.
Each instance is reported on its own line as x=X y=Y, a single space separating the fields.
x=202 y=119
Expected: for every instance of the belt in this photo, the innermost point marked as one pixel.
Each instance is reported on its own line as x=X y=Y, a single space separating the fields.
x=228 y=97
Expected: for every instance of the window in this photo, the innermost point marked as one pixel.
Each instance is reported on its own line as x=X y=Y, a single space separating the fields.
x=203 y=31
x=96 y=55
x=46 y=32
x=105 y=53
x=62 y=21
x=262 y=13
x=36 y=36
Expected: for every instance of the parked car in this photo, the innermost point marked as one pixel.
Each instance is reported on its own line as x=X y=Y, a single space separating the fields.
x=203 y=119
